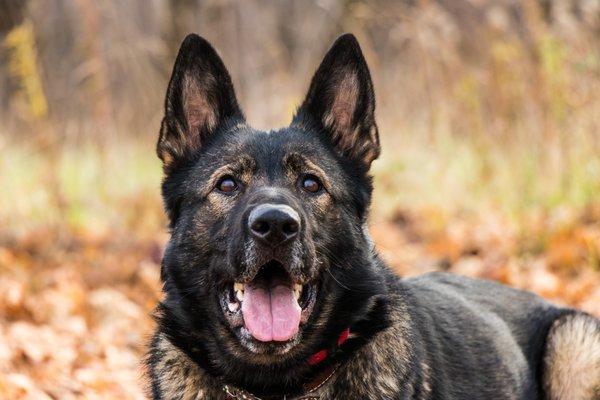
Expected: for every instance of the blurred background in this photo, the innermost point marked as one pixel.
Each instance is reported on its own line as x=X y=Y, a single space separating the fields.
x=489 y=112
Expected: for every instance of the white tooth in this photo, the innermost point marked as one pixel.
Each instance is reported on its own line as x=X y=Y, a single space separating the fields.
x=233 y=307
x=237 y=286
x=239 y=294
x=297 y=291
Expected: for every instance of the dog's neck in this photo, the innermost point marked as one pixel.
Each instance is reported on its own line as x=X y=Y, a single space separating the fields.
x=175 y=375
x=320 y=378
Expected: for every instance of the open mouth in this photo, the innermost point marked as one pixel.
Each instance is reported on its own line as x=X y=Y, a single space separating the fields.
x=271 y=307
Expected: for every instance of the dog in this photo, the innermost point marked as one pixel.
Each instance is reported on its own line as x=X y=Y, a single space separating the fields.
x=274 y=290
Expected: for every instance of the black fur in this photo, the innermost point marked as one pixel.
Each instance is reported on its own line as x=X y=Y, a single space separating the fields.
x=433 y=337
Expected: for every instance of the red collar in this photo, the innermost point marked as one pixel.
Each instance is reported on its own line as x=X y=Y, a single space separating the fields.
x=234 y=393
x=321 y=355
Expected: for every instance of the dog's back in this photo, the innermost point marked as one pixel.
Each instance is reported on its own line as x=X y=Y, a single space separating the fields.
x=513 y=341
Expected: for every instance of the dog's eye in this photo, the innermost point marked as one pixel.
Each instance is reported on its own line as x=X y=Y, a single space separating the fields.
x=311 y=184
x=227 y=184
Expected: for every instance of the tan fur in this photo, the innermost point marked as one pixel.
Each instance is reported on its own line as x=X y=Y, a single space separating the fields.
x=341 y=114
x=572 y=361
x=198 y=112
x=179 y=377
x=340 y=118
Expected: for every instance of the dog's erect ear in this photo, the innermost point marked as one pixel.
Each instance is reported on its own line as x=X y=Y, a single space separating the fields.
x=341 y=102
x=200 y=98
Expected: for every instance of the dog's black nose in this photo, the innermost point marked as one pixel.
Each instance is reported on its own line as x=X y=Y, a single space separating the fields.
x=274 y=224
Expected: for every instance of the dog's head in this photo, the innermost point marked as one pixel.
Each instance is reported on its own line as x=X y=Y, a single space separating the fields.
x=269 y=258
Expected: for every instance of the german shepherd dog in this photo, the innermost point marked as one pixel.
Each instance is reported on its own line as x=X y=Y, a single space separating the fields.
x=273 y=288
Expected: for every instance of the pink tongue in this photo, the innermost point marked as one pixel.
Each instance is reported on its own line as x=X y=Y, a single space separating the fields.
x=271 y=315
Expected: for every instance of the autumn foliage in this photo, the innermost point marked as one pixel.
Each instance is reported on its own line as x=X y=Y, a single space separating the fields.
x=489 y=117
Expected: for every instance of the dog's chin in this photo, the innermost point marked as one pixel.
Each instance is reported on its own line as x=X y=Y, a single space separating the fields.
x=233 y=295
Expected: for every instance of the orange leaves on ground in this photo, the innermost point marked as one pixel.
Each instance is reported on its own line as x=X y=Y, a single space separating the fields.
x=75 y=306
x=75 y=315
x=554 y=256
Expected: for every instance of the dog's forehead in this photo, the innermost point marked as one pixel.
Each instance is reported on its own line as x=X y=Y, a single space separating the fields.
x=282 y=141
x=269 y=149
